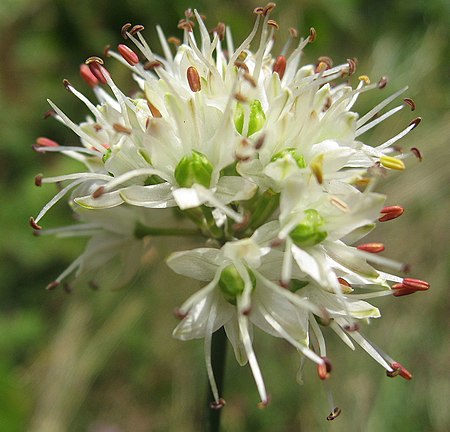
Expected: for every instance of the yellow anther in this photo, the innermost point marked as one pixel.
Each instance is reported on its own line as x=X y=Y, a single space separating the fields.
x=364 y=78
x=392 y=163
x=316 y=167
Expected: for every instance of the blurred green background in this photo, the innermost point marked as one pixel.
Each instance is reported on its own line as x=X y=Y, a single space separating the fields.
x=102 y=361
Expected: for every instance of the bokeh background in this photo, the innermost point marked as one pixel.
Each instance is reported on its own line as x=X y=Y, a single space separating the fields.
x=104 y=360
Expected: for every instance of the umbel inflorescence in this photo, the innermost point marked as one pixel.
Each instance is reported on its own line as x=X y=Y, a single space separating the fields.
x=263 y=159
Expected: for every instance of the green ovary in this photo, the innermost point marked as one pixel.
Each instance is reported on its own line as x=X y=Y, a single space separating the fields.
x=309 y=232
x=194 y=169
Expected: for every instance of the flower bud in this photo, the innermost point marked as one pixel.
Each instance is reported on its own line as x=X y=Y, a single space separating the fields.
x=231 y=283
x=256 y=120
x=309 y=232
x=194 y=169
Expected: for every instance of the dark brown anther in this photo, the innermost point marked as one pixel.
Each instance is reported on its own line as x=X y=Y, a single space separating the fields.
x=410 y=103
x=352 y=63
x=106 y=50
x=155 y=111
x=128 y=54
x=152 y=64
x=273 y=24
x=121 y=128
x=280 y=66
x=193 y=79
x=258 y=10
x=34 y=224
x=187 y=25
x=324 y=369
x=327 y=60
x=241 y=65
x=217 y=405
x=174 y=41
x=268 y=8
x=240 y=98
x=383 y=82
x=124 y=30
x=221 y=30
x=293 y=32
x=93 y=59
x=259 y=142
x=98 y=192
x=52 y=285
x=49 y=113
x=415 y=122
x=38 y=180
x=88 y=77
x=334 y=414
x=136 y=29
x=97 y=127
x=67 y=85
x=371 y=247
x=312 y=35
x=417 y=153
x=390 y=212
x=249 y=79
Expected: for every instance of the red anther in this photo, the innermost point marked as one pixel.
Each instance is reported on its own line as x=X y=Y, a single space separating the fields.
x=179 y=314
x=155 y=111
x=400 y=292
x=121 y=128
x=344 y=282
x=217 y=405
x=399 y=369
x=38 y=180
x=98 y=192
x=415 y=122
x=193 y=79
x=128 y=54
x=416 y=284
x=371 y=247
x=52 y=285
x=46 y=142
x=99 y=72
x=324 y=369
x=280 y=66
x=152 y=64
x=390 y=212
x=352 y=327
x=88 y=76
x=333 y=414
x=417 y=153
x=34 y=224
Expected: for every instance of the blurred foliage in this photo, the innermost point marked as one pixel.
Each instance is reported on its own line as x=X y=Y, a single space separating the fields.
x=97 y=361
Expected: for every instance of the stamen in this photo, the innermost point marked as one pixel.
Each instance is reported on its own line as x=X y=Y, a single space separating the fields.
x=49 y=113
x=136 y=29
x=390 y=212
x=417 y=153
x=352 y=63
x=383 y=82
x=217 y=405
x=128 y=54
x=392 y=163
x=334 y=414
x=410 y=103
x=415 y=122
x=269 y=8
x=312 y=35
x=273 y=24
x=417 y=284
x=193 y=79
x=399 y=369
x=38 y=180
x=98 y=71
x=174 y=41
x=46 y=142
x=324 y=369
x=88 y=76
x=52 y=285
x=371 y=247
x=124 y=30
x=34 y=224
x=122 y=129
x=280 y=66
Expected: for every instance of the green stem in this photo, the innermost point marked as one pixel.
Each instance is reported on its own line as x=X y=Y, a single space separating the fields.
x=142 y=231
x=218 y=357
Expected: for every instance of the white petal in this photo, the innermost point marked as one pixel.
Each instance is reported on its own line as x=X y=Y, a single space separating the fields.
x=154 y=196
x=107 y=200
x=198 y=263
x=233 y=188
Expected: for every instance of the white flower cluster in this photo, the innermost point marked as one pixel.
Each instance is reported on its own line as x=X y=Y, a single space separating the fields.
x=262 y=156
